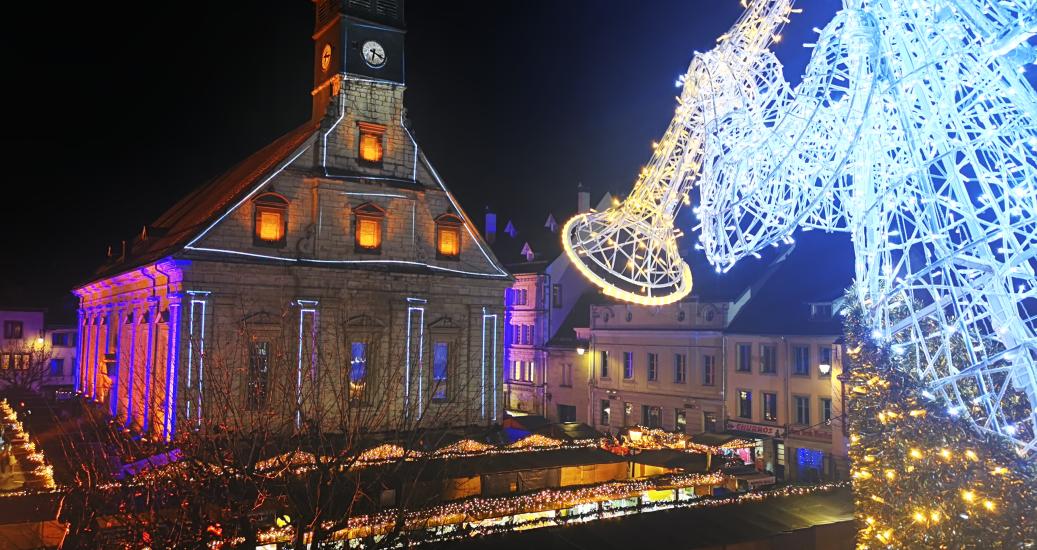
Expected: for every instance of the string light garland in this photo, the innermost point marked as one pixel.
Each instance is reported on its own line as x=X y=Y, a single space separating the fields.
x=922 y=476
x=482 y=516
x=41 y=473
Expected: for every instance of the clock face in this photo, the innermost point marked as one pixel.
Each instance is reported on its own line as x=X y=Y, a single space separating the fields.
x=325 y=58
x=374 y=53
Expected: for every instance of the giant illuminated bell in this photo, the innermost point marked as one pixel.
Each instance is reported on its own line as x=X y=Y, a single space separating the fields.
x=914 y=131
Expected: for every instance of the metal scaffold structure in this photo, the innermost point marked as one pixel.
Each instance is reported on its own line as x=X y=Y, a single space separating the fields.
x=913 y=130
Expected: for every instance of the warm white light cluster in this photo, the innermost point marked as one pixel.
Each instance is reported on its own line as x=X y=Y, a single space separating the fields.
x=913 y=130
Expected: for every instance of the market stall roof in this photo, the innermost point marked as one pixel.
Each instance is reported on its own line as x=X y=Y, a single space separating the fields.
x=456 y=467
x=721 y=439
x=672 y=458
x=570 y=431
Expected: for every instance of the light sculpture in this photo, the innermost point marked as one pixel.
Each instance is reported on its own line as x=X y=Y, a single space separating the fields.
x=913 y=130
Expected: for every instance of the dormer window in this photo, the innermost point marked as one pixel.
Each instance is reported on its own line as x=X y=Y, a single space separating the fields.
x=821 y=311
x=370 y=143
x=367 y=226
x=270 y=220
x=448 y=237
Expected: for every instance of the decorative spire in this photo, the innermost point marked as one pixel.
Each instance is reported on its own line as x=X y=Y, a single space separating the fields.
x=551 y=224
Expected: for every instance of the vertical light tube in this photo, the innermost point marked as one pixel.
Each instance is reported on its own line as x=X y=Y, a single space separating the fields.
x=493 y=368
x=305 y=306
x=409 y=352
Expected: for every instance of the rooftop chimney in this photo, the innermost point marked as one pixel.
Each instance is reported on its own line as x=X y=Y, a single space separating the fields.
x=491 y=226
x=583 y=200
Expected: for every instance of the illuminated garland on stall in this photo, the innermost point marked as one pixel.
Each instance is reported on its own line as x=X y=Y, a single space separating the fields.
x=654 y=438
x=487 y=516
x=41 y=471
x=922 y=476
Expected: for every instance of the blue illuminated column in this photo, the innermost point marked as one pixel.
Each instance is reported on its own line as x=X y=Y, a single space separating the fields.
x=130 y=381
x=149 y=362
x=172 y=362
x=78 y=366
x=114 y=375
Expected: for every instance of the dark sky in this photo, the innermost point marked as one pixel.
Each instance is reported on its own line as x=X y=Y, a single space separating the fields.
x=116 y=110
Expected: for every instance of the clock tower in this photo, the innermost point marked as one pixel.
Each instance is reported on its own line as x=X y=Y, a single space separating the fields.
x=358 y=38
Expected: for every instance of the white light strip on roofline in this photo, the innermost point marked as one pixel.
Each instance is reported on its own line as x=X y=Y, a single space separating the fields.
x=324 y=138
x=247 y=197
x=457 y=207
x=347 y=262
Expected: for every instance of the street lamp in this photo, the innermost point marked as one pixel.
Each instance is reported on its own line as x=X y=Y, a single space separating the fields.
x=825 y=368
x=581 y=351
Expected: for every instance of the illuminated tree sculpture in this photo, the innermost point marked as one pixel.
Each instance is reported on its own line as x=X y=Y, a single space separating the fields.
x=913 y=130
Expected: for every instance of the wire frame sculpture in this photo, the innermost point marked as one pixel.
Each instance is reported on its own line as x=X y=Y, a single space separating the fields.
x=913 y=129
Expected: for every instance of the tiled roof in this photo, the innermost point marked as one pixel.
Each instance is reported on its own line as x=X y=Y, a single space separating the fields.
x=185 y=219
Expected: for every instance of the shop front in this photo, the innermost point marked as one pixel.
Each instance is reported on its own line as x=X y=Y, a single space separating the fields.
x=767 y=452
x=810 y=455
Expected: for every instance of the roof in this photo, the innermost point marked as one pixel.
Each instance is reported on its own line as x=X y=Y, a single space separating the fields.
x=444 y=468
x=570 y=431
x=818 y=268
x=725 y=526
x=185 y=219
x=672 y=458
x=579 y=316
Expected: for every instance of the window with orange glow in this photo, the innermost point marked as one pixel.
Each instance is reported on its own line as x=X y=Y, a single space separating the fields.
x=271 y=220
x=368 y=233
x=448 y=237
x=371 y=149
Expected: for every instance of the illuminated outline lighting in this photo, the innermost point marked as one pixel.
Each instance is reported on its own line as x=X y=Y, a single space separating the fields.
x=346 y=262
x=407 y=365
x=201 y=350
x=174 y=356
x=305 y=306
x=928 y=165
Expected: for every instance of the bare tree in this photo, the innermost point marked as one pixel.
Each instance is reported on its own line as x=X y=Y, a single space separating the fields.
x=23 y=367
x=278 y=431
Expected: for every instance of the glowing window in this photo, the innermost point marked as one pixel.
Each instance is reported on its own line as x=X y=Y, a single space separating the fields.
x=368 y=228
x=440 y=359
x=448 y=237
x=271 y=220
x=371 y=149
x=357 y=370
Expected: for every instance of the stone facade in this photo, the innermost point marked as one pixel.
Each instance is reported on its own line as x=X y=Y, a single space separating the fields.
x=657 y=366
x=221 y=325
x=790 y=396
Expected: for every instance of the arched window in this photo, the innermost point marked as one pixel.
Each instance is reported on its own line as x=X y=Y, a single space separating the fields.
x=367 y=227
x=448 y=237
x=270 y=220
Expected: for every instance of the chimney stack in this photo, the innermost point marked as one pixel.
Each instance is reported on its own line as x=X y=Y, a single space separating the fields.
x=583 y=200
x=491 y=226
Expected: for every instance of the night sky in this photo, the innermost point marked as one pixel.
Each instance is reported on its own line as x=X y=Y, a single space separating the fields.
x=115 y=112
